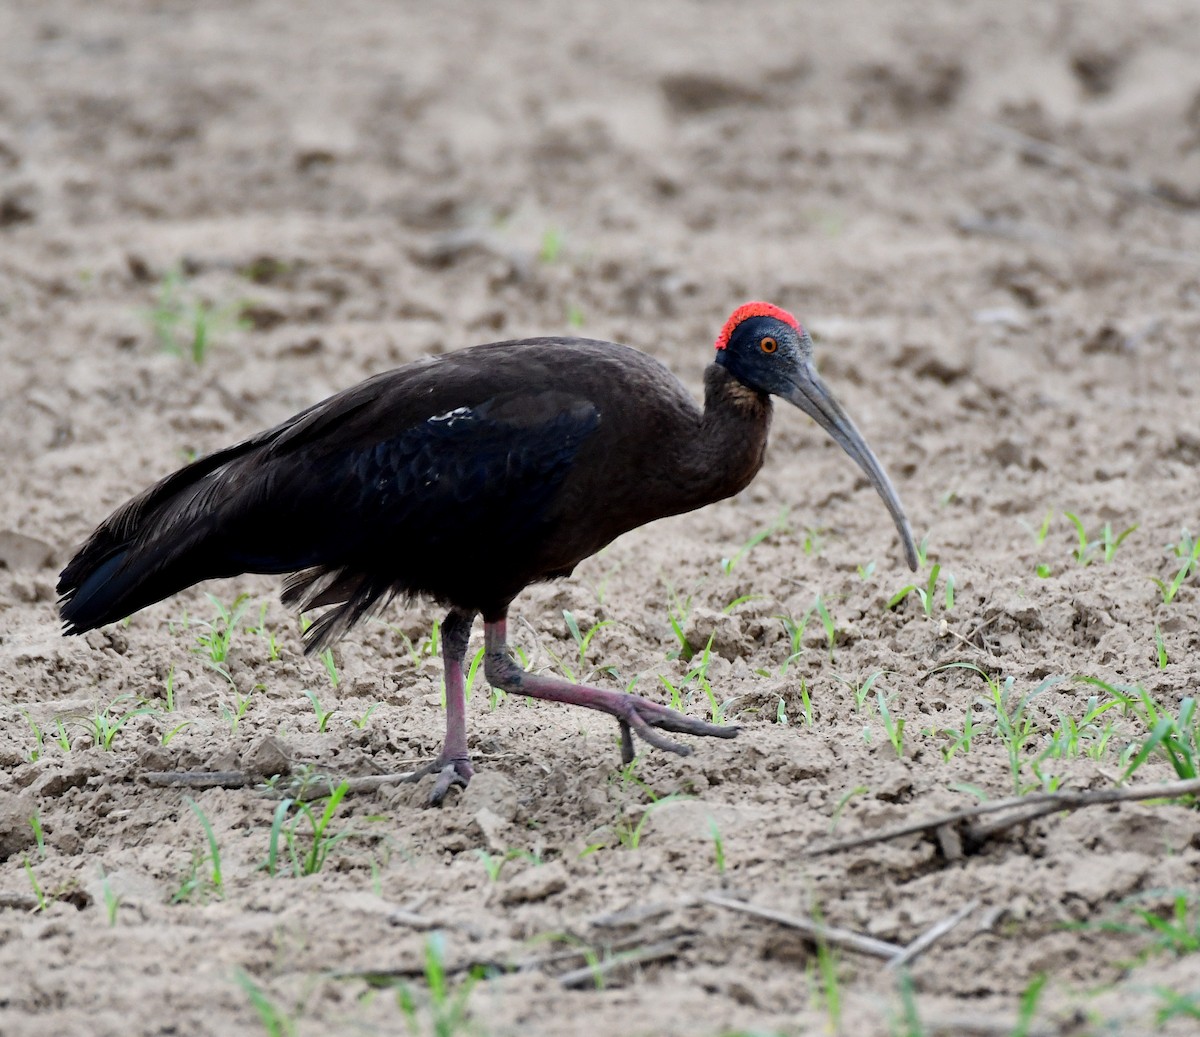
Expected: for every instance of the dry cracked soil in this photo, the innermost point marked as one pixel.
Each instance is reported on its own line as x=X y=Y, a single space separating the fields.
x=213 y=215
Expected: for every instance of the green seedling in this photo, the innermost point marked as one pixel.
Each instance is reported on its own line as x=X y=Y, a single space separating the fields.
x=729 y=609
x=1107 y=542
x=1044 y=531
x=112 y=900
x=806 y=707
x=493 y=863
x=827 y=622
x=1169 y=590
x=861 y=689
x=1160 y=648
x=1015 y=725
x=575 y=315
x=103 y=726
x=1027 y=1008
x=1175 y=1005
x=169 y=690
x=582 y=641
x=781 y=716
x=552 y=244
x=795 y=632
x=39 y=742
x=323 y=715
x=1073 y=738
x=844 y=802
x=361 y=722
x=1043 y=571
x=241 y=703
x=215 y=640
x=580 y=947
x=678 y=611
x=39 y=894
x=1174 y=931
x=718 y=846
x=927 y=595
x=814 y=541
x=894 y=726
x=266 y=634
x=447 y=1009
x=310 y=860
x=331 y=670
x=39 y=834
x=1175 y=737
x=959 y=738
x=830 y=987
x=188 y=328
x=275 y=1021
x=700 y=673
x=629 y=834
x=777 y=526
x=909 y=1024
x=205 y=873
x=1184 y=546
x=472 y=674
x=168 y=736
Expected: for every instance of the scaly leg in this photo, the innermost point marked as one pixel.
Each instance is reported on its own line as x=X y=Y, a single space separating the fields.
x=635 y=715
x=453 y=763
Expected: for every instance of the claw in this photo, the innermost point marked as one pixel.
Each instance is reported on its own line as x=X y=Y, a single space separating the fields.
x=451 y=773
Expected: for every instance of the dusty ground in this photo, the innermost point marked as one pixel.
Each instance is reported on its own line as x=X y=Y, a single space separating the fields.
x=988 y=216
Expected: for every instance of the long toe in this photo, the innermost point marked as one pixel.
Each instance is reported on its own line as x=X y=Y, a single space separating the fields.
x=456 y=773
x=642 y=717
x=450 y=773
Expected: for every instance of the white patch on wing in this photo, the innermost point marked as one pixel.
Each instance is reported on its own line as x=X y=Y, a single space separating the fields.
x=452 y=416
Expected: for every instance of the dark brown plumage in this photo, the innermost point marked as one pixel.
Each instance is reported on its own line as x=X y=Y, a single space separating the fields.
x=464 y=478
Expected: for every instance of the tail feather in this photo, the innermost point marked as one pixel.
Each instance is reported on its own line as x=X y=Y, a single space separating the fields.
x=156 y=544
x=355 y=594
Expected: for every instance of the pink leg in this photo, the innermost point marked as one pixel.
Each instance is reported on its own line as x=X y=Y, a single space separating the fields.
x=633 y=713
x=453 y=763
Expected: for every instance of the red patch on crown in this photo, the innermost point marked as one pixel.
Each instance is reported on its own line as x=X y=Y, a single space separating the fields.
x=753 y=309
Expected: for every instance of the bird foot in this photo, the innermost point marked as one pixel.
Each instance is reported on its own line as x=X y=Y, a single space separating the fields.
x=636 y=714
x=451 y=772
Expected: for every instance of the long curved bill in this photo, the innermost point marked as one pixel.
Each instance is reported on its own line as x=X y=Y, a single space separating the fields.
x=810 y=394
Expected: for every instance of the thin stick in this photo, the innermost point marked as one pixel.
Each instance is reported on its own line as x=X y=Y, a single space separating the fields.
x=238 y=779
x=198 y=779
x=814 y=930
x=581 y=977
x=1036 y=805
x=927 y=939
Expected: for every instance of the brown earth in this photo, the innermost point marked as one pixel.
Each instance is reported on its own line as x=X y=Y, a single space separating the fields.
x=988 y=216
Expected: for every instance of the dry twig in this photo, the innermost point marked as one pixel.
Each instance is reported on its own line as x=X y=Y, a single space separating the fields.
x=814 y=930
x=927 y=939
x=1028 y=808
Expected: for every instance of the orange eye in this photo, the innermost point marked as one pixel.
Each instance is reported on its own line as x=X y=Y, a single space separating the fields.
x=768 y=345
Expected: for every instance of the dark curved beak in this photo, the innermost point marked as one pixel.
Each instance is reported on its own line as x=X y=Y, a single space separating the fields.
x=809 y=393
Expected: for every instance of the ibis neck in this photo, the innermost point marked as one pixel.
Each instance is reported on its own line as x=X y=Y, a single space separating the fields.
x=733 y=435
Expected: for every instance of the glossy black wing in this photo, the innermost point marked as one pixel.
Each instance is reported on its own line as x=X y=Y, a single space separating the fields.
x=448 y=507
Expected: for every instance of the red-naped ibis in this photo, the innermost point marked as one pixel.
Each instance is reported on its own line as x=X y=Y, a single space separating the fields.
x=463 y=478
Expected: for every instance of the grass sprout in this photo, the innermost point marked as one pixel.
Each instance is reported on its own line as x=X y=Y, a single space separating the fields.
x=1169 y=590
x=306 y=853
x=1174 y=737
x=447 y=1008
x=779 y=524
x=1104 y=545
x=275 y=1021
x=205 y=873
x=188 y=328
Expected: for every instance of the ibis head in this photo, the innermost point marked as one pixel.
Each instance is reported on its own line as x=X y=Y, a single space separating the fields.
x=765 y=348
